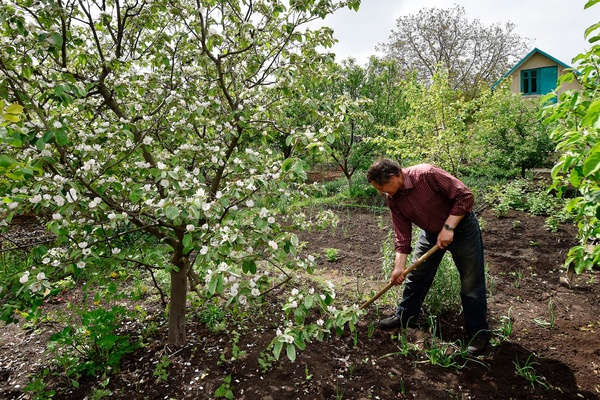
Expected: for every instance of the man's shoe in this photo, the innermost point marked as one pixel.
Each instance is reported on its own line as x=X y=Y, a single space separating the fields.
x=390 y=323
x=477 y=346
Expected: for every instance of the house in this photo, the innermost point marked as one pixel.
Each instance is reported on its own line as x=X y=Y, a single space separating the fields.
x=536 y=75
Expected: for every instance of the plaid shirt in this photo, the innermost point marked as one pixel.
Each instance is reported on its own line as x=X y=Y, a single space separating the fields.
x=428 y=197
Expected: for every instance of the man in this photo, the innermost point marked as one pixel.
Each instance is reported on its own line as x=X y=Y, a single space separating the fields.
x=441 y=205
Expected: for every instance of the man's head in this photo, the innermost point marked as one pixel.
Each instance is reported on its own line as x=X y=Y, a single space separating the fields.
x=386 y=176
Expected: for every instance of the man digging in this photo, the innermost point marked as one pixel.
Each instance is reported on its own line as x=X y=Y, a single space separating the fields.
x=441 y=205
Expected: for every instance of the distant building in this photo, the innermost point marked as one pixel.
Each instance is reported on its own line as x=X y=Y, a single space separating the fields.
x=536 y=75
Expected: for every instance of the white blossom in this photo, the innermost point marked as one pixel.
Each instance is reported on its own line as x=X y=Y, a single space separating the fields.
x=35 y=287
x=36 y=199
x=289 y=338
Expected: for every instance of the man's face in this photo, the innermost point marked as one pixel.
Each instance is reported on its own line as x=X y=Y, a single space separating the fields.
x=390 y=187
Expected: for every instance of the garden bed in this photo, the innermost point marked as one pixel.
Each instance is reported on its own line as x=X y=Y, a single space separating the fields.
x=562 y=348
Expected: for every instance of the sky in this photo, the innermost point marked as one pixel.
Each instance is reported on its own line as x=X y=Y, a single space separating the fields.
x=555 y=26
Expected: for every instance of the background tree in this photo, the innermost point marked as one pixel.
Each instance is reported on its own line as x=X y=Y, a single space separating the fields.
x=436 y=128
x=470 y=52
x=510 y=135
x=145 y=117
x=375 y=89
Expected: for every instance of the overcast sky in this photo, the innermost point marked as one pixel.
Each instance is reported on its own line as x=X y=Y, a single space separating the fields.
x=556 y=26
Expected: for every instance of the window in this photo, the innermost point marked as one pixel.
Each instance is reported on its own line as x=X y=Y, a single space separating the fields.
x=539 y=80
x=529 y=81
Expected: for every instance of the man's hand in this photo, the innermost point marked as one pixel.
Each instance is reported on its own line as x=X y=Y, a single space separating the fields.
x=399 y=267
x=444 y=238
x=397 y=277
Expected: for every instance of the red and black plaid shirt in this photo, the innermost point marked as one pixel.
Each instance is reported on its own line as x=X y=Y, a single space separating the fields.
x=429 y=196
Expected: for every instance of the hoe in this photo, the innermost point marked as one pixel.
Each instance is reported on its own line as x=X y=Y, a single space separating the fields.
x=406 y=272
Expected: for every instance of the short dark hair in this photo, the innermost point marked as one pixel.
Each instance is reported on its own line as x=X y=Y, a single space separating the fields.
x=382 y=171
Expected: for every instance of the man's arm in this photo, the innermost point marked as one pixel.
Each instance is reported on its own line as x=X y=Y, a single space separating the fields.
x=399 y=267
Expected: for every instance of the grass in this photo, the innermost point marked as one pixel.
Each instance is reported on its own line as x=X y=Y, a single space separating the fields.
x=527 y=371
x=444 y=294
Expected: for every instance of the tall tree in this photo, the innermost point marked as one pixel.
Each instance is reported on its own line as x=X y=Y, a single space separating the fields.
x=577 y=133
x=510 y=135
x=469 y=51
x=436 y=129
x=143 y=116
x=377 y=102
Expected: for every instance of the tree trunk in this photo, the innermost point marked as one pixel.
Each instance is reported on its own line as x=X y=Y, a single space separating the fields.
x=177 y=306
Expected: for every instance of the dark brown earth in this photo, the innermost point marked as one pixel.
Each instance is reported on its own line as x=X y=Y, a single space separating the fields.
x=565 y=357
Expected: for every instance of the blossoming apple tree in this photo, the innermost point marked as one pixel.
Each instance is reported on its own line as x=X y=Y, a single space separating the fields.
x=127 y=116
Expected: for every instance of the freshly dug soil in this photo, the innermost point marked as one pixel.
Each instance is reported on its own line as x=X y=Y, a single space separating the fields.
x=524 y=276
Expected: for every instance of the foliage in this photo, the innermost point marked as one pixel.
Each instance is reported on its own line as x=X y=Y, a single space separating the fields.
x=161 y=370
x=90 y=343
x=523 y=195
x=444 y=295
x=225 y=389
x=151 y=117
x=578 y=136
x=527 y=371
x=379 y=103
x=332 y=254
x=435 y=130
x=470 y=52
x=510 y=134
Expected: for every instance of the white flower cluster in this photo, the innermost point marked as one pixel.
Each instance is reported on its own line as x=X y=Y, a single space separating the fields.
x=39 y=281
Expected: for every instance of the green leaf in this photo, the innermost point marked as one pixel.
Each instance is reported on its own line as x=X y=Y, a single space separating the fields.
x=7 y=162
x=298 y=167
x=14 y=109
x=11 y=117
x=592 y=162
x=171 y=212
x=212 y=286
x=591 y=29
x=61 y=137
x=286 y=163
x=57 y=39
x=590 y=3
x=277 y=349
x=291 y=352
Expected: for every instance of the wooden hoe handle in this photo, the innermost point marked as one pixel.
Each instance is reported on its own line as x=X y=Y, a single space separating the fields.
x=406 y=272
